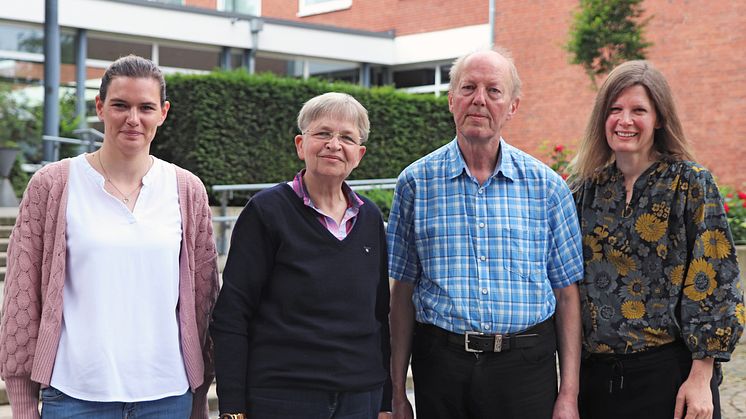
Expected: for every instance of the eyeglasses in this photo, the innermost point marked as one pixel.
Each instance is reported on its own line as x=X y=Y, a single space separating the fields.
x=327 y=136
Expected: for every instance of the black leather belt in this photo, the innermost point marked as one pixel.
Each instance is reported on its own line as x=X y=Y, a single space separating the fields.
x=480 y=342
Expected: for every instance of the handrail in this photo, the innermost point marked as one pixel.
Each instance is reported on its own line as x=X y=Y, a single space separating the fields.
x=227 y=193
x=89 y=136
x=88 y=139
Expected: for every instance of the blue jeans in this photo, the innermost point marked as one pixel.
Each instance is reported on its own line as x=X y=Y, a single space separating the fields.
x=277 y=403
x=58 y=405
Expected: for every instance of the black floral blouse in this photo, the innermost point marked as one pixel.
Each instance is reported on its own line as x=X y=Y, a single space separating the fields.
x=662 y=267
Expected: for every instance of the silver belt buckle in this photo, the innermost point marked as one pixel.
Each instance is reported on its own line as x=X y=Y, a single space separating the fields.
x=498 y=343
x=466 y=341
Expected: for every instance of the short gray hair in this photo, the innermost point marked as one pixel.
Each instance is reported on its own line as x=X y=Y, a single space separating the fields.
x=458 y=67
x=335 y=105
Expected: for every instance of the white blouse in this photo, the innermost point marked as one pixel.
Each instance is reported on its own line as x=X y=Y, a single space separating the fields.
x=120 y=331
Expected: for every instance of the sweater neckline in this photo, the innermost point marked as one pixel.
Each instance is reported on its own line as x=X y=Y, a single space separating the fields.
x=310 y=216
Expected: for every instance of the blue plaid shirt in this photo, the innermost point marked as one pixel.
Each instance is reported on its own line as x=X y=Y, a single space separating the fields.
x=483 y=257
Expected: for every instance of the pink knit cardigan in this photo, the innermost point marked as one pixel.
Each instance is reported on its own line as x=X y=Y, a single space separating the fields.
x=32 y=309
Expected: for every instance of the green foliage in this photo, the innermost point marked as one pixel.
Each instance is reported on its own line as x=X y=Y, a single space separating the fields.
x=559 y=157
x=18 y=127
x=21 y=127
x=606 y=33
x=17 y=121
x=382 y=198
x=234 y=128
x=735 y=210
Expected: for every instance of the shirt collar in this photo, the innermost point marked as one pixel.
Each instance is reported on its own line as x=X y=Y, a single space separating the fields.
x=353 y=201
x=456 y=164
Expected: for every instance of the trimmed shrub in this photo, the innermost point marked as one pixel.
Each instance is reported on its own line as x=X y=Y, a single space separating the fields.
x=233 y=128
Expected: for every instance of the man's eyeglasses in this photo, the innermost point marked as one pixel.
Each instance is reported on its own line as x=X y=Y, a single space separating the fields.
x=327 y=136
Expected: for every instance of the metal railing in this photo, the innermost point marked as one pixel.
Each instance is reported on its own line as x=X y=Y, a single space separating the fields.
x=90 y=139
x=227 y=193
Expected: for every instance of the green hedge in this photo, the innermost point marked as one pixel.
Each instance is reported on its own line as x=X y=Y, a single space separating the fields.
x=232 y=127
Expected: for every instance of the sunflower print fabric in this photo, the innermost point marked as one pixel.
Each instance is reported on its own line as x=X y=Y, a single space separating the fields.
x=661 y=268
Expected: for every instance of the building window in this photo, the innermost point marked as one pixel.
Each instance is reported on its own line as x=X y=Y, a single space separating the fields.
x=244 y=7
x=279 y=66
x=26 y=39
x=415 y=77
x=430 y=79
x=188 y=58
x=334 y=71
x=110 y=50
x=315 y=7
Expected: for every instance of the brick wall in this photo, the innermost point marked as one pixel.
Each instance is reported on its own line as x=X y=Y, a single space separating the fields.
x=698 y=46
x=207 y=4
x=557 y=96
x=406 y=16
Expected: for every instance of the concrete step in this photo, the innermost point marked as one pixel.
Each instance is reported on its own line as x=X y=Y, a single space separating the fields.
x=4 y=244
x=5 y=231
x=3 y=258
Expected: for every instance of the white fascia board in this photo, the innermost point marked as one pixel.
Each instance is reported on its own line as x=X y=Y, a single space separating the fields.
x=330 y=44
x=164 y=24
x=156 y=23
x=31 y=11
x=440 y=45
x=139 y=21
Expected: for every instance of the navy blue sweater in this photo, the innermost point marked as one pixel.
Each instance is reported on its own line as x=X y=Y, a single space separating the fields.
x=300 y=308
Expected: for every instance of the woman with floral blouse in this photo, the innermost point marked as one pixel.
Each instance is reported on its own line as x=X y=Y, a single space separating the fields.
x=662 y=303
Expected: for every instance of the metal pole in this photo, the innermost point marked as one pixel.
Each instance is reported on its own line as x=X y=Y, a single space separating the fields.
x=492 y=24
x=251 y=61
x=81 y=53
x=225 y=58
x=51 y=78
x=256 y=25
x=365 y=74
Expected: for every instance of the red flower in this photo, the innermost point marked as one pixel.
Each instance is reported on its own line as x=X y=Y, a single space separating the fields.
x=558 y=148
x=565 y=176
x=742 y=195
x=744 y=204
x=726 y=208
x=729 y=195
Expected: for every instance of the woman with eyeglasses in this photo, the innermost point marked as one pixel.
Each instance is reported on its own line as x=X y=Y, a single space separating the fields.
x=301 y=323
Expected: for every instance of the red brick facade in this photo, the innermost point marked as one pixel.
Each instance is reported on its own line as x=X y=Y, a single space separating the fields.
x=698 y=45
x=207 y=4
x=404 y=16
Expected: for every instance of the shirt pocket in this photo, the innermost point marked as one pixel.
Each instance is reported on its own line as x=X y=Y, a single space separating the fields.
x=524 y=252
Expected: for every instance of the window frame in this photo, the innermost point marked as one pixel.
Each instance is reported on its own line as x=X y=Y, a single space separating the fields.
x=222 y=6
x=327 y=6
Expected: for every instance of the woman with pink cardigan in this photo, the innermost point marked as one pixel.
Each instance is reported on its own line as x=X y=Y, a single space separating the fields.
x=112 y=273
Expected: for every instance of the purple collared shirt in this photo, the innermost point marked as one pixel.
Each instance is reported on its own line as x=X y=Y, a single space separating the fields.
x=341 y=230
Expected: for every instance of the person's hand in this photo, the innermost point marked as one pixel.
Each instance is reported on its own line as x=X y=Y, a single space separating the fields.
x=696 y=396
x=384 y=415
x=402 y=408
x=566 y=407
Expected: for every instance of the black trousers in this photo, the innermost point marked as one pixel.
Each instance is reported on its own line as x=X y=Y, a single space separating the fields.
x=640 y=385
x=450 y=383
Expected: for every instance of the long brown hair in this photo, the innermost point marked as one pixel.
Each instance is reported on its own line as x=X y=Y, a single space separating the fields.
x=669 y=140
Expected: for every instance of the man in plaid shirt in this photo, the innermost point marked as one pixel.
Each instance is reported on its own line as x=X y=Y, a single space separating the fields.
x=485 y=251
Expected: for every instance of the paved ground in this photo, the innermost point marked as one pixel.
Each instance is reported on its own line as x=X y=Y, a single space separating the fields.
x=733 y=389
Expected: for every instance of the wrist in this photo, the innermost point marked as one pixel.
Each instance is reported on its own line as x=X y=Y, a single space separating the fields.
x=232 y=416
